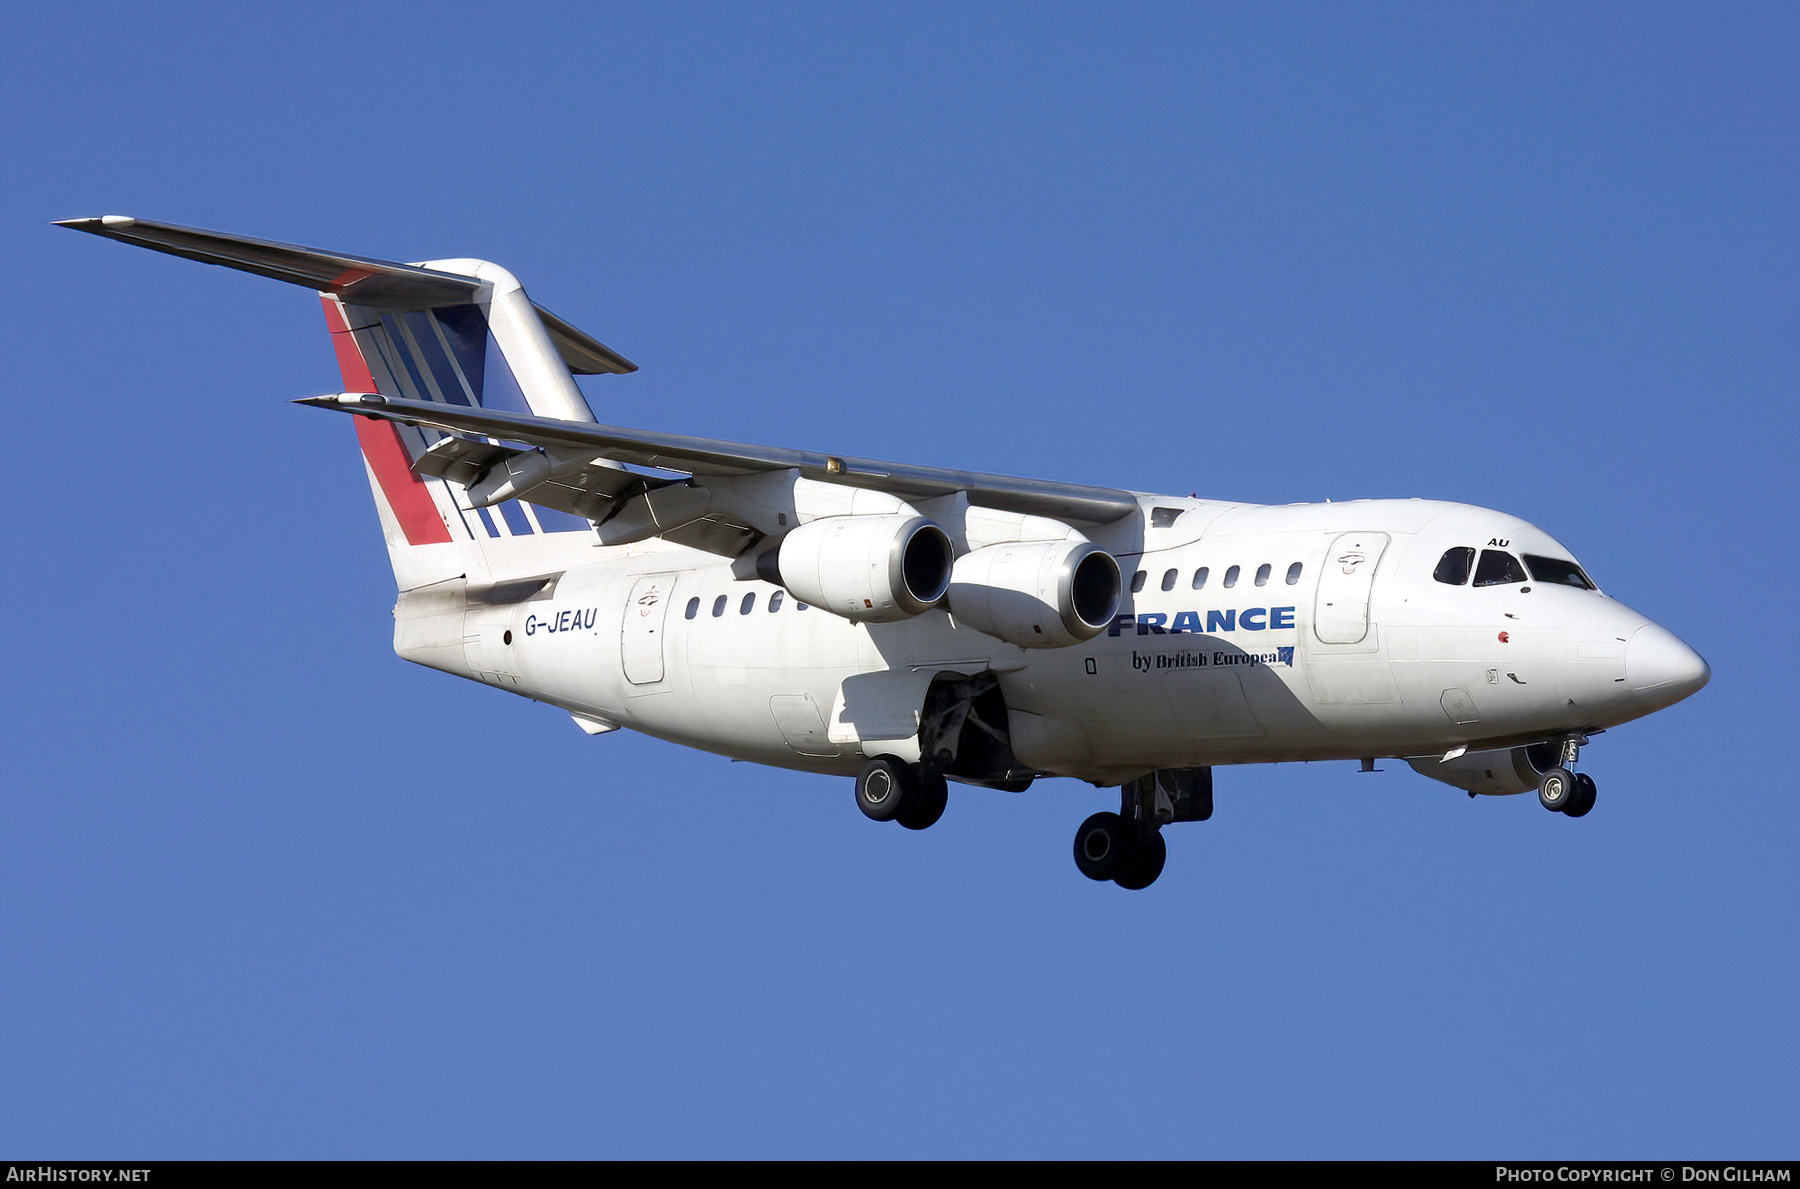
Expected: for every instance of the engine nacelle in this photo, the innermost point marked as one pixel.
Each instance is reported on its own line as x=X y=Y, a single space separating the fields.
x=1037 y=594
x=1493 y=773
x=872 y=569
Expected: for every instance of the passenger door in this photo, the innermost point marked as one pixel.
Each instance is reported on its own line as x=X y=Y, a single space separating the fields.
x=1341 y=606
x=641 y=634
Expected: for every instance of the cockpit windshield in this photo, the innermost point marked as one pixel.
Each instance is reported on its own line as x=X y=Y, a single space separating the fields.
x=1453 y=567
x=1498 y=568
x=1558 y=572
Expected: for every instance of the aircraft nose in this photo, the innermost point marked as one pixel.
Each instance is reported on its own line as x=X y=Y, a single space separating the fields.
x=1661 y=669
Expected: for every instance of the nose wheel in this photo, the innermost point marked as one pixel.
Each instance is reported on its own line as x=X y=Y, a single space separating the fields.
x=1556 y=791
x=1566 y=792
x=1584 y=796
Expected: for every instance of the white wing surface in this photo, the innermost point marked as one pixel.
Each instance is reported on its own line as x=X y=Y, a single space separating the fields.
x=707 y=456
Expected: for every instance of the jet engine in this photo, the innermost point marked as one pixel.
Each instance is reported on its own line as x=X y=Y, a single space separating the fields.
x=871 y=569
x=1495 y=773
x=1037 y=594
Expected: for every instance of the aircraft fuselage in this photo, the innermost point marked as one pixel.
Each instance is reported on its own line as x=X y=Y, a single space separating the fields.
x=1247 y=634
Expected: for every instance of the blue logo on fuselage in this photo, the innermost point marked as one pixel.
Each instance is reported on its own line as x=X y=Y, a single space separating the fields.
x=1251 y=619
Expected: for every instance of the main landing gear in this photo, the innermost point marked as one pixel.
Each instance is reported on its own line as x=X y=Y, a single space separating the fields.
x=888 y=789
x=1127 y=847
x=1562 y=790
x=1131 y=854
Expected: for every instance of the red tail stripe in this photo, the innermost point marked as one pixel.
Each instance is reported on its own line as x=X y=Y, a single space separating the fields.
x=406 y=492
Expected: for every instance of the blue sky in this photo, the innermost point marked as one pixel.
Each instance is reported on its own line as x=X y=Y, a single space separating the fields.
x=269 y=891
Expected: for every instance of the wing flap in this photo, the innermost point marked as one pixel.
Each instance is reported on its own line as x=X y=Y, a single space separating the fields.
x=593 y=492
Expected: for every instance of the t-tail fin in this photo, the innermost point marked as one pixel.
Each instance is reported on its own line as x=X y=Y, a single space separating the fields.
x=458 y=332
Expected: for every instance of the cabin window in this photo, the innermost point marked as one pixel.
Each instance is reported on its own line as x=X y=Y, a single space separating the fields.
x=1262 y=574
x=1164 y=517
x=718 y=606
x=1200 y=577
x=1231 y=577
x=1137 y=582
x=748 y=605
x=1558 y=572
x=774 y=602
x=1497 y=568
x=1453 y=567
x=693 y=607
x=799 y=606
x=1293 y=577
x=1168 y=582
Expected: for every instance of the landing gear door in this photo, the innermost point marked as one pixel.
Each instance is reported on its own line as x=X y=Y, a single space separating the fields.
x=880 y=712
x=1341 y=608
x=641 y=636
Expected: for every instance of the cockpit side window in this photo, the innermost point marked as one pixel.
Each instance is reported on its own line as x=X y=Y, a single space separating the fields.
x=1558 y=572
x=1453 y=567
x=1498 y=568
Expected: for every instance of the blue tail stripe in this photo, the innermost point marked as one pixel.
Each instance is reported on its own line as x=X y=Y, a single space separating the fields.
x=393 y=346
x=515 y=518
x=499 y=388
x=555 y=521
x=466 y=331
x=487 y=522
x=424 y=333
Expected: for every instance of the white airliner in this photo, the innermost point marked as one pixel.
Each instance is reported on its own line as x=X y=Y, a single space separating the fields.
x=904 y=625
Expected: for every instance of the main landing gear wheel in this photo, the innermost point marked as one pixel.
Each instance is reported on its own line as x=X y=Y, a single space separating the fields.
x=1146 y=863
x=884 y=786
x=927 y=807
x=1585 y=792
x=1103 y=845
x=1557 y=790
x=1109 y=847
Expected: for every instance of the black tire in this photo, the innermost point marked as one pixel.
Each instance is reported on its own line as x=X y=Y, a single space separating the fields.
x=1146 y=864
x=1585 y=793
x=923 y=811
x=1105 y=845
x=1557 y=790
x=884 y=786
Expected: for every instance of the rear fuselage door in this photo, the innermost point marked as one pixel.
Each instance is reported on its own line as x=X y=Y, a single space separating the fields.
x=1341 y=608
x=641 y=636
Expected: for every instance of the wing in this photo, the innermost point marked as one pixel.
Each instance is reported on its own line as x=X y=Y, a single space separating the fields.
x=702 y=457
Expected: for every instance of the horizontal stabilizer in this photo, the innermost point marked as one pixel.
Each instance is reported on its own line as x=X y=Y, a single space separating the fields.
x=706 y=456
x=378 y=284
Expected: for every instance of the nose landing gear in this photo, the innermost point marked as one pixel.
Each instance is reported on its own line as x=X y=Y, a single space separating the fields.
x=1584 y=796
x=1562 y=790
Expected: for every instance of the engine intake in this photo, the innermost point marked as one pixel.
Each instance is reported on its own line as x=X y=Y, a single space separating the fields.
x=1037 y=594
x=871 y=569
